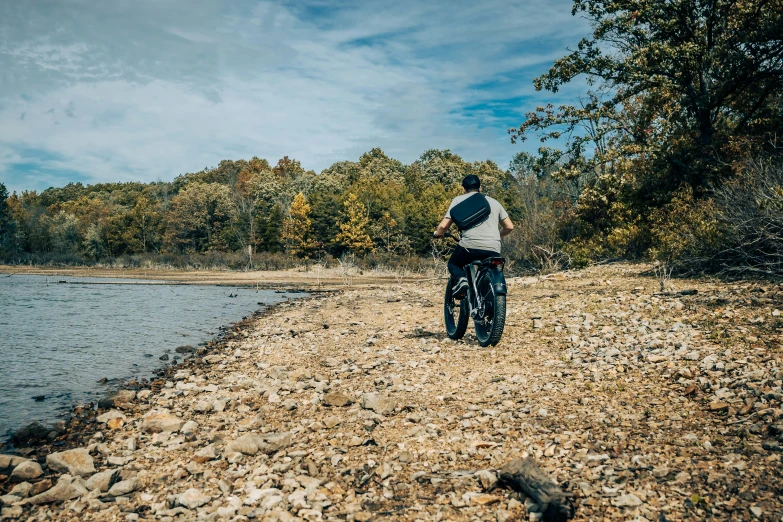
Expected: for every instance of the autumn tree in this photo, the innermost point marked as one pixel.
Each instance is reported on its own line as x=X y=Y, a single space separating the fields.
x=353 y=234
x=297 y=233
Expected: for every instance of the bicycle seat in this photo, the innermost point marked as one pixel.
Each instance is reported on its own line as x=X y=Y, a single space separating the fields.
x=497 y=261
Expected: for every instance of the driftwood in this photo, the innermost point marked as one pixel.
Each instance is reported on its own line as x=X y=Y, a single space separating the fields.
x=525 y=476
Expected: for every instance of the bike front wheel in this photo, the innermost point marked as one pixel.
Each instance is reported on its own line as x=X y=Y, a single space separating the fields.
x=455 y=315
x=492 y=318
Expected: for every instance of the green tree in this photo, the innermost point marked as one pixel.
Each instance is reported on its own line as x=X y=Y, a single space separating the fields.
x=353 y=234
x=297 y=233
x=93 y=244
x=8 y=225
x=683 y=79
x=198 y=218
x=269 y=229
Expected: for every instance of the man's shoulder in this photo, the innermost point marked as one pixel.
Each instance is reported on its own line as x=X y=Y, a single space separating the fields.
x=493 y=201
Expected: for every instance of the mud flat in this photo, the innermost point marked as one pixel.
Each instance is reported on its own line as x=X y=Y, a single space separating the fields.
x=642 y=404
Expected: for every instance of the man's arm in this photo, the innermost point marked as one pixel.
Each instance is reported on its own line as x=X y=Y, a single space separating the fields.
x=507 y=225
x=444 y=227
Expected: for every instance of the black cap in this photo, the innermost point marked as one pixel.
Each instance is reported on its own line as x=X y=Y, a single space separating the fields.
x=471 y=182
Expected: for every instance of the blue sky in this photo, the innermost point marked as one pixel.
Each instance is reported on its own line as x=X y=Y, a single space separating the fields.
x=98 y=91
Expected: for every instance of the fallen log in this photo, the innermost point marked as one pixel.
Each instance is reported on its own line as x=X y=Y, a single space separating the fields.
x=525 y=476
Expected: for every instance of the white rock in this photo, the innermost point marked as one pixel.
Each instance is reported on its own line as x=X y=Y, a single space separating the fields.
x=161 y=421
x=627 y=500
x=67 y=487
x=100 y=481
x=380 y=404
x=75 y=462
x=27 y=470
x=109 y=415
x=193 y=498
x=124 y=487
x=189 y=427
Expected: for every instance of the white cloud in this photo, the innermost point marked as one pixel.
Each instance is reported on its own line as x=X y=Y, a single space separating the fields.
x=153 y=100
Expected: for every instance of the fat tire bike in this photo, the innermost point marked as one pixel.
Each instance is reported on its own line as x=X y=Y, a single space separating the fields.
x=485 y=302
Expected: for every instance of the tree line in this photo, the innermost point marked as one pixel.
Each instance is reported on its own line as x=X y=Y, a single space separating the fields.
x=376 y=205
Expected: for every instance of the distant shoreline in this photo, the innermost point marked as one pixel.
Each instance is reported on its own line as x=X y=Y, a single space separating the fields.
x=313 y=279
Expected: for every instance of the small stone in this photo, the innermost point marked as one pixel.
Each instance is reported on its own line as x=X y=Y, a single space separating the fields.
x=109 y=415
x=362 y=516
x=161 y=421
x=405 y=457
x=487 y=478
x=100 y=481
x=75 y=462
x=21 y=490
x=27 y=470
x=338 y=399
x=252 y=443
x=67 y=488
x=660 y=472
x=332 y=421
x=542 y=412
x=8 y=462
x=719 y=406
x=501 y=515
x=193 y=498
x=124 y=487
x=757 y=511
x=11 y=512
x=627 y=500
x=9 y=499
x=189 y=428
x=289 y=404
x=40 y=487
x=380 y=404
x=483 y=499
x=205 y=454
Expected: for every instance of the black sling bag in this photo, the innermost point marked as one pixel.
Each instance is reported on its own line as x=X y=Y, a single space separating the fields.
x=471 y=212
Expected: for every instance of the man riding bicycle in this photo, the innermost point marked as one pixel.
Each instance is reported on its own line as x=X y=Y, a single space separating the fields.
x=479 y=242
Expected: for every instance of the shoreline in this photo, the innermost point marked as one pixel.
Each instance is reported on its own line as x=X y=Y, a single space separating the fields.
x=354 y=406
x=310 y=280
x=73 y=424
x=80 y=424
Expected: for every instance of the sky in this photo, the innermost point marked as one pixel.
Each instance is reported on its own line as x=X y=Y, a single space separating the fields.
x=144 y=90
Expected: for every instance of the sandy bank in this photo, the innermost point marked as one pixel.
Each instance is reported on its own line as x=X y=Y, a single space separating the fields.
x=354 y=406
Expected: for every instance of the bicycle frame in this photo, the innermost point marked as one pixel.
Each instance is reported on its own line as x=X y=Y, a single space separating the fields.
x=495 y=272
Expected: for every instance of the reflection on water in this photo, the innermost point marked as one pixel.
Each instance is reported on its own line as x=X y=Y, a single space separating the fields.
x=57 y=340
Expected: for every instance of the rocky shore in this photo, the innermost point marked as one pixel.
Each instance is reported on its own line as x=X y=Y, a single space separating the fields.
x=643 y=403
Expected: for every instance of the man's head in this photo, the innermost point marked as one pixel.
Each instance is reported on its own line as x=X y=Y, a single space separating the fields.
x=471 y=183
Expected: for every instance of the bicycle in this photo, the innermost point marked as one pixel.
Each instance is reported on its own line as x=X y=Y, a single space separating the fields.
x=485 y=302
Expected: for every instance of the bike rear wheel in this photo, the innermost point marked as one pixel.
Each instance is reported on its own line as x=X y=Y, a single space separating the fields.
x=455 y=315
x=489 y=326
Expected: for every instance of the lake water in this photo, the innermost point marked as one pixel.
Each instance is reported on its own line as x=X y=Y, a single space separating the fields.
x=58 y=340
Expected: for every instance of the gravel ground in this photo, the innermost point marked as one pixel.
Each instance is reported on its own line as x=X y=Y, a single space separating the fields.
x=644 y=403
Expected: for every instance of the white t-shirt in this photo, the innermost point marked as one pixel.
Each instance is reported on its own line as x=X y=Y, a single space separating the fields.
x=486 y=236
